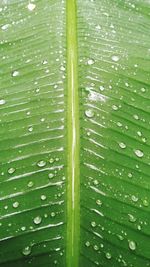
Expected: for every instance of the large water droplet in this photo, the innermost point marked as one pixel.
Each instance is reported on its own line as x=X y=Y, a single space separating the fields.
x=37 y=220
x=41 y=163
x=132 y=245
x=139 y=153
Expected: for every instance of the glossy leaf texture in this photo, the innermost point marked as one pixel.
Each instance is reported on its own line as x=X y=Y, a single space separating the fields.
x=114 y=107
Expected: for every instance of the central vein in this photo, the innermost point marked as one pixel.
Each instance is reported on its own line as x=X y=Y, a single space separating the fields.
x=73 y=191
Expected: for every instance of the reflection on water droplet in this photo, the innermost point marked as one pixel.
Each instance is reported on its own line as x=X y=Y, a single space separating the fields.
x=131 y=218
x=122 y=145
x=115 y=58
x=134 y=198
x=139 y=153
x=31 y=6
x=91 y=61
x=2 y=101
x=108 y=255
x=11 y=170
x=145 y=203
x=26 y=251
x=132 y=245
x=96 y=247
x=41 y=163
x=37 y=220
x=15 y=73
x=89 y=113
x=16 y=204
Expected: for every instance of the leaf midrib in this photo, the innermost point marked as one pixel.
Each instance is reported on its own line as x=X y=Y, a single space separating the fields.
x=73 y=192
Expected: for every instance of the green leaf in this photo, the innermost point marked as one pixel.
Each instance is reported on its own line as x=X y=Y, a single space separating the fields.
x=74 y=133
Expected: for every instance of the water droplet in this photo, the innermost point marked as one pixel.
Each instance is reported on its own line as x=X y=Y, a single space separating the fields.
x=23 y=228
x=37 y=220
x=11 y=170
x=30 y=184
x=145 y=203
x=99 y=202
x=87 y=243
x=122 y=145
x=31 y=6
x=96 y=247
x=101 y=88
x=91 y=61
x=51 y=175
x=139 y=133
x=53 y=214
x=143 y=90
x=41 y=163
x=43 y=197
x=5 y=27
x=130 y=175
x=15 y=73
x=16 y=204
x=93 y=224
x=89 y=113
x=136 y=117
x=108 y=255
x=51 y=160
x=114 y=107
x=131 y=218
x=2 y=101
x=30 y=129
x=26 y=251
x=115 y=58
x=44 y=62
x=139 y=153
x=132 y=245
x=134 y=198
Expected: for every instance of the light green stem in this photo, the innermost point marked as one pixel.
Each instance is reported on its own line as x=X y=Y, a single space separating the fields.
x=73 y=196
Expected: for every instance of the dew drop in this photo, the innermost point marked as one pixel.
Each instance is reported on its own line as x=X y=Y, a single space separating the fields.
x=114 y=107
x=87 y=243
x=131 y=218
x=31 y=6
x=5 y=27
x=26 y=251
x=2 y=101
x=93 y=224
x=91 y=61
x=30 y=184
x=108 y=255
x=41 y=163
x=44 y=62
x=89 y=113
x=51 y=175
x=15 y=73
x=134 y=198
x=43 y=197
x=115 y=58
x=11 y=170
x=99 y=202
x=132 y=245
x=101 y=88
x=139 y=153
x=16 y=204
x=30 y=129
x=53 y=214
x=145 y=203
x=122 y=145
x=51 y=160
x=96 y=247
x=37 y=220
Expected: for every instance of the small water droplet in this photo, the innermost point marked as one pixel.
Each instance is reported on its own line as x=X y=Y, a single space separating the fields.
x=130 y=175
x=53 y=214
x=131 y=218
x=93 y=224
x=37 y=220
x=2 y=101
x=101 y=88
x=115 y=58
x=132 y=245
x=43 y=197
x=114 y=107
x=96 y=247
x=87 y=243
x=134 y=198
x=139 y=153
x=91 y=61
x=51 y=175
x=51 y=160
x=23 y=228
x=30 y=129
x=30 y=184
x=15 y=73
x=122 y=145
x=108 y=255
x=145 y=203
x=41 y=163
x=31 y=6
x=135 y=116
x=26 y=251
x=99 y=202
x=11 y=170
x=89 y=113
x=44 y=62
x=5 y=27
x=16 y=204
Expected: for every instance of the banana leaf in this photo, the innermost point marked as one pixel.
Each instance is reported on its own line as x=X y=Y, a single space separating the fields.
x=74 y=133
